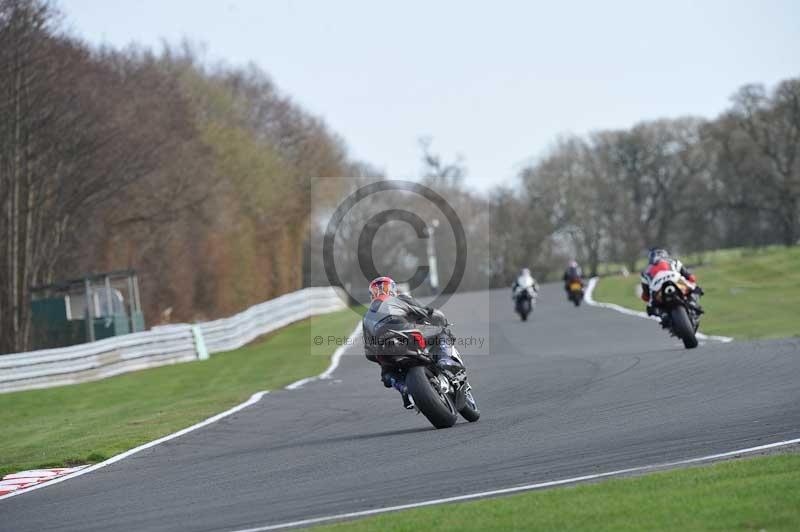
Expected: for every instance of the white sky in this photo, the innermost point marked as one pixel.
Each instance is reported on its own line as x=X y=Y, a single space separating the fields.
x=494 y=81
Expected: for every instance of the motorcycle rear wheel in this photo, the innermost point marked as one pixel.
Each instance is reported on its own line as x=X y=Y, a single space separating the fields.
x=436 y=406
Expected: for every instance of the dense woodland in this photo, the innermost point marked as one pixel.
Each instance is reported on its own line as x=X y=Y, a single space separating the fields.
x=199 y=178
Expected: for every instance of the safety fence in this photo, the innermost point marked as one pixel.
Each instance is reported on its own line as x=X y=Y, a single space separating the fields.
x=168 y=344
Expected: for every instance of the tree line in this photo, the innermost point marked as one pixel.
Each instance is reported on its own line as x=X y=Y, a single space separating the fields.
x=197 y=177
x=687 y=184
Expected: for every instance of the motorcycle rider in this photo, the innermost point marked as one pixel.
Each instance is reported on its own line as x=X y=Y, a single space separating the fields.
x=392 y=311
x=572 y=273
x=524 y=280
x=659 y=260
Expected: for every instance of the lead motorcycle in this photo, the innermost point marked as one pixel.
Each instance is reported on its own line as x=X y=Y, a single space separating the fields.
x=675 y=300
x=430 y=370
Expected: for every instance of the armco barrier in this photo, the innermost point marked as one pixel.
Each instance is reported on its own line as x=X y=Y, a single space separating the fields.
x=159 y=346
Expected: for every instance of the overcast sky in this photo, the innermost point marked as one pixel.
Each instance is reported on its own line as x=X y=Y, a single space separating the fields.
x=496 y=82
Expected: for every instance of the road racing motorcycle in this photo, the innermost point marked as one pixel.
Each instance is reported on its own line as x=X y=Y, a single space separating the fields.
x=674 y=300
x=575 y=291
x=524 y=301
x=428 y=367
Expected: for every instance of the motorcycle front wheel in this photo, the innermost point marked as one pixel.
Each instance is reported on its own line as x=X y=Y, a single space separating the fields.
x=436 y=406
x=523 y=309
x=683 y=327
x=470 y=410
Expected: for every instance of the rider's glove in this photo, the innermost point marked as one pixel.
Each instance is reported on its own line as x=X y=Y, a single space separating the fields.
x=699 y=291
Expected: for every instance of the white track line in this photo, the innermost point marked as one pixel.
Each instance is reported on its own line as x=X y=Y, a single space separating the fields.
x=335 y=359
x=590 y=301
x=516 y=489
x=256 y=397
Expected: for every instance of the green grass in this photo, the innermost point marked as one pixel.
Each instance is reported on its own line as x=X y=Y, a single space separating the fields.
x=90 y=422
x=749 y=494
x=748 y=293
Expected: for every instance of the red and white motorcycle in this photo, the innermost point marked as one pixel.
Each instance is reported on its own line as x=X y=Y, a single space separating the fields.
x=675 y=300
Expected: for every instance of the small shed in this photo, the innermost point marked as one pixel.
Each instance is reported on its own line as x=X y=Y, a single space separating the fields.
x=83 y=310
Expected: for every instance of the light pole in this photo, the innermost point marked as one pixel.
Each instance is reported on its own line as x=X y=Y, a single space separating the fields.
x=434 y=272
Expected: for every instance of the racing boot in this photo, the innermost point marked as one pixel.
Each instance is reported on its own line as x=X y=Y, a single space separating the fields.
x=400 y=387
x=407 y=404
x=390 y=381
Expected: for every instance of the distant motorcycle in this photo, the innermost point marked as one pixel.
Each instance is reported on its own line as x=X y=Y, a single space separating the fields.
x=524 y=301
x=575 y=291
x=436 y=383
x=674 y=298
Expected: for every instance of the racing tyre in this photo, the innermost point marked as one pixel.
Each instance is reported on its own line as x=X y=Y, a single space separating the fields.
x=436 y=406
x=683 y=327
x=524 y=308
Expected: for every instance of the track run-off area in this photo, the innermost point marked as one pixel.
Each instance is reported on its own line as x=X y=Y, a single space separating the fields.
x=573 y=393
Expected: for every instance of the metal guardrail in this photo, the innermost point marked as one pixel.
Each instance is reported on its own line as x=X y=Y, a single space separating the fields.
x=168 y=344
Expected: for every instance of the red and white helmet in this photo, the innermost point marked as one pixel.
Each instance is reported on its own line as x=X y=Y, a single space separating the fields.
x=382 y=286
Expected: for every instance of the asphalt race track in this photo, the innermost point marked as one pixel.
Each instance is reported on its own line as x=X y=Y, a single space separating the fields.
x=575 y=391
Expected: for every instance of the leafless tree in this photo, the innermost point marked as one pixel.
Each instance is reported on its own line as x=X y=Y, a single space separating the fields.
x=772 y=124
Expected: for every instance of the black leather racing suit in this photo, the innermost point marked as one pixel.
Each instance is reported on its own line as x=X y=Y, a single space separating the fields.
x=573 y=273
x=401 y=312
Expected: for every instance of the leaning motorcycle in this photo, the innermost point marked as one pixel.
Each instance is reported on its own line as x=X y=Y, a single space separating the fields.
x=575 y=291
x=524 y=300
x=433 y=375
x=675 y=300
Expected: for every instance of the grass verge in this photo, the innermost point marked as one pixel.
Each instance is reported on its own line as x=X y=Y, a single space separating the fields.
x=90 y=422
x=748 y=293
x=747 y=494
